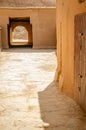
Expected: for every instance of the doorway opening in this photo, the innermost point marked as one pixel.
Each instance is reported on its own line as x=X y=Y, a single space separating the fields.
x=20 y=32
x=19 y=35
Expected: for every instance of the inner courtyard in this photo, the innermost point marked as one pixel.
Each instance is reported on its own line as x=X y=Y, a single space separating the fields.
x=29 y=96
x=43 y=65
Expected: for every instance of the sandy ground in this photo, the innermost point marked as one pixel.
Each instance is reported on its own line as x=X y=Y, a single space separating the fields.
x=27 y=3
x=29 y=97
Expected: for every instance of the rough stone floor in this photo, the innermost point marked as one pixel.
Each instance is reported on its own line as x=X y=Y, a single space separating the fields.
x=29 y=97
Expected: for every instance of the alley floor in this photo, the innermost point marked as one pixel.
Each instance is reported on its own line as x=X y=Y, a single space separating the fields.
x=30 y=98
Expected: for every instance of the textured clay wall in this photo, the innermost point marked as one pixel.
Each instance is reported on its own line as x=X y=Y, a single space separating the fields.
x=43 y=22
x=66 y=10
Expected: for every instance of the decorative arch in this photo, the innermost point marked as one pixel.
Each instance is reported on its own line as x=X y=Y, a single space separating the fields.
x=23 y=22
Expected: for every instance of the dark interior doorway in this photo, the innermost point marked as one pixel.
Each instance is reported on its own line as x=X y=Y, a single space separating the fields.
x=20 y=32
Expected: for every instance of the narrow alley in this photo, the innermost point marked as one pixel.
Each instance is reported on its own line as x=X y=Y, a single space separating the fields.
x=30 y=98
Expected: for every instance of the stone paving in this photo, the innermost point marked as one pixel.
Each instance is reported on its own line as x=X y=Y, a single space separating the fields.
x=29 y=97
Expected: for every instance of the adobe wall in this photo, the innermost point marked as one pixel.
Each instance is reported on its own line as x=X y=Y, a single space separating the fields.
x=43 y=22
x=66 y=10
x=0 y=39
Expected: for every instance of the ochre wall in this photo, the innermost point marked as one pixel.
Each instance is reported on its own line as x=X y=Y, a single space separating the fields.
x=66 y=10
x=43 y=22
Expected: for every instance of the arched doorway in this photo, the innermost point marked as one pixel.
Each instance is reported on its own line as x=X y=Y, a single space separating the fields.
x=20 y=36
x=20 y=32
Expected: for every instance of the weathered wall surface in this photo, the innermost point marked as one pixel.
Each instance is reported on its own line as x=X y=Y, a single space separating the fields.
x=43 y=22
x=0 y=39
x=66 y=10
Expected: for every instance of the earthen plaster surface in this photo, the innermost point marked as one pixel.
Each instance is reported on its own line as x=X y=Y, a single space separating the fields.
x=66 y=11
x=43 y=22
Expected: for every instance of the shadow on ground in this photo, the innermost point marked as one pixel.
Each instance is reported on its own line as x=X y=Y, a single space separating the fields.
x=27 y=50
x=58 y=111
